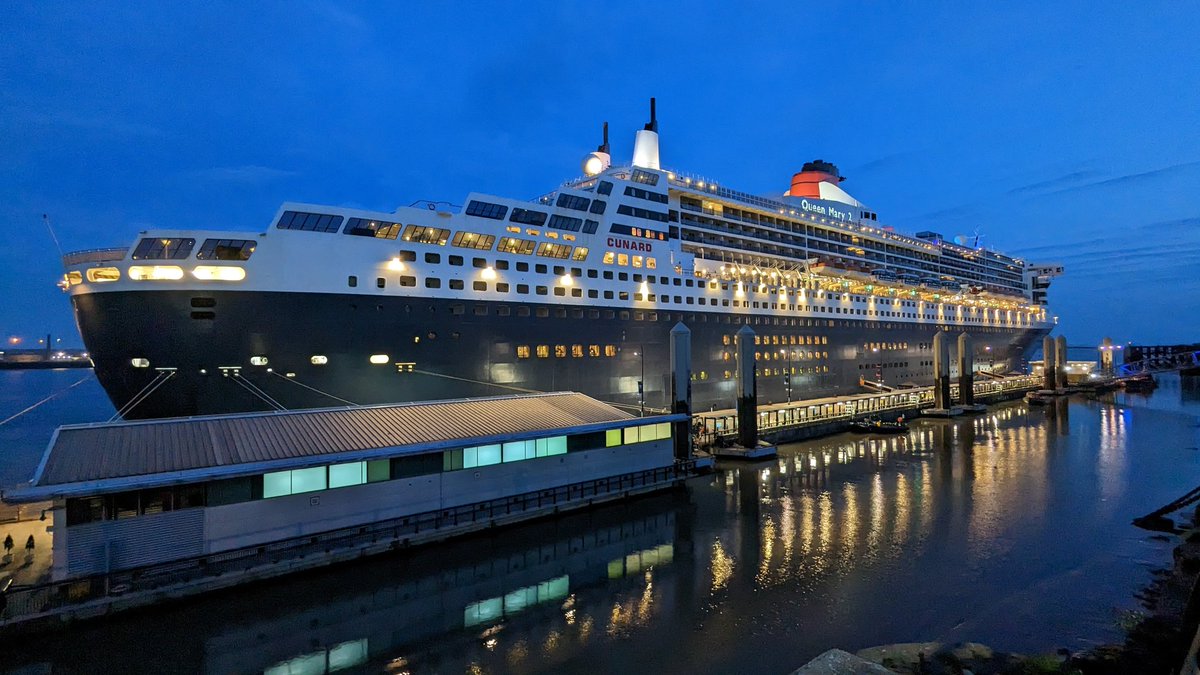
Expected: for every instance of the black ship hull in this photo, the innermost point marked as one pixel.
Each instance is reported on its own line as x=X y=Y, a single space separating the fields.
x=439 y=348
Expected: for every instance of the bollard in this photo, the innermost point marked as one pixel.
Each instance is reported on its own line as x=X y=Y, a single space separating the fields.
x=747 y=389
x=1048 y=367
x=966 y=370
x=1060 y=362
x=681 y=389
x=941 y=371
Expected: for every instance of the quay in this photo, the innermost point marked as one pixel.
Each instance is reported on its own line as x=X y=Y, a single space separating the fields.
x=148 y=511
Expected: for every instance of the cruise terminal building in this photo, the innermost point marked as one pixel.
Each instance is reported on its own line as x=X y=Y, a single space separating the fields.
x=191 y=497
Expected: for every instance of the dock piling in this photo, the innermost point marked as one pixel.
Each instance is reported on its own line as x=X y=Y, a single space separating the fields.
x=747 y=389
x=1049 y=379
x=681 y=388
x=941 y=371
x=1060 y=362
x=966 y=370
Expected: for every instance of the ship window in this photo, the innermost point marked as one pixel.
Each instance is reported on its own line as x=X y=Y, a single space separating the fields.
x=639 y=193
x=380 y=282
x=539 y=268
x=642 y=213
x=380 y=229
x=572 y=202
x=408 y=256
x=225 y=249
x=502 y=288
x=514 y=245
x=608 y=295
x=430 y=282
x=592 y=274
x=542 y=312
x=564 y=223
x=645 y=177
x=593 y=293
x=464 y=239
x=480 y=310
x=479 y=285
x=433 y=258
x=523 y=351
x=456 y=284
x=312 y=222
x=163 y=249
x=486 y=210
x=455 y=260
x=479 y=263
x=605 y=188
x=528 y=217
x=523 y=289
x=560 y=291
x=407 y=280
x=523 y=312
x=598 y=206
x=550 y=250
x=624 y=296
x=580 y=254
x=608 y=275
x=522 y=267
x=541 y=290
x=103 y=274
x=426 y=235
x=589 y=226
x=351 y=281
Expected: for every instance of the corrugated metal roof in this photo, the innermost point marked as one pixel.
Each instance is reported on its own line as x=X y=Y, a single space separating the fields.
x=89 y=453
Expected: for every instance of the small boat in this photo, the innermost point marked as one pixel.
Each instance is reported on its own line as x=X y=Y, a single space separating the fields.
x=874 y=425
x=1039 y=398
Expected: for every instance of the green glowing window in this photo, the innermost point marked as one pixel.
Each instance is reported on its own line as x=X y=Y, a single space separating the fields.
x=612 y=438
x=343 y=475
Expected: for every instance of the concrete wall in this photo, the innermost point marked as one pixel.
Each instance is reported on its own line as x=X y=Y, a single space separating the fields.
x=93 y=548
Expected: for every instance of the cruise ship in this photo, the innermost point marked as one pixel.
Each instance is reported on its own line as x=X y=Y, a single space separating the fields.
x=576 y=290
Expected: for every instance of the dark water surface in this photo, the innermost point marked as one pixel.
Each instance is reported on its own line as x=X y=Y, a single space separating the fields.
x=1011 y=528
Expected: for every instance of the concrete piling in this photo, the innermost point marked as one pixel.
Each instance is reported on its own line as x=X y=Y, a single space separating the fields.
x=966 y=370
x=1106 y=357
x=941 y=371
x=681 y=388
x=747 y=389
x=1060 y=362
x=1049 y=379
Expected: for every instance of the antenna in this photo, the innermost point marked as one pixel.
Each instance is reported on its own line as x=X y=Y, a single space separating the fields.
x=653 y=124
x=604 y=146
x=46 y=220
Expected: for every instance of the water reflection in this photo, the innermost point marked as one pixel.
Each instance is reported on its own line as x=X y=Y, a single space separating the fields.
x=974 y=528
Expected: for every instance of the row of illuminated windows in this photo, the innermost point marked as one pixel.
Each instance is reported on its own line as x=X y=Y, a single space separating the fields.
x=795 y=370
x=625 y=260
x=767 y=356
x=639 y=232
x=560 y=351
x=166 y=248
x=784 y=340
x=313 y=479
x=639 y=193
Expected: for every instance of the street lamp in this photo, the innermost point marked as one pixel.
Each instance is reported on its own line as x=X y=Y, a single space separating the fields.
x=641 y=379
x=787 y=374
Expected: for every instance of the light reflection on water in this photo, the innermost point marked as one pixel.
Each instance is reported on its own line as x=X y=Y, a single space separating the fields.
x=1011 y=528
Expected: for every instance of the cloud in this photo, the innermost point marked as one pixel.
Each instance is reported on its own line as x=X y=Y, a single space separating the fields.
x=1141 y=177
x=1066 y=179
x=249 y=173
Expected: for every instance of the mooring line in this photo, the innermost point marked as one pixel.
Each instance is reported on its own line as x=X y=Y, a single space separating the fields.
x=47 y=399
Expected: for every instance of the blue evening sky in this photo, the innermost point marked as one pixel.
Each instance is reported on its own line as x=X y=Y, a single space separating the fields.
x=1060 y=131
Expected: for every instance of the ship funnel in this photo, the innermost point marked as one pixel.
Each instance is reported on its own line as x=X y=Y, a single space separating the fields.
x=598 y=161
x=645 y=144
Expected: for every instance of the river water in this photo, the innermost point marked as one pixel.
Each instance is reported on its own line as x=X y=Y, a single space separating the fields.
x=1011 y=528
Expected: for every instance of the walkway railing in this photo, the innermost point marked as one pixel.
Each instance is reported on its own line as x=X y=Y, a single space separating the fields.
x=21 y=603
x=711 y=426
x=1160 y=364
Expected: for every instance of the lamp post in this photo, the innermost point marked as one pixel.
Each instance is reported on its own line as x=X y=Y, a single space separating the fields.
x=787 y=374
x=641 y=380
x=991 y=358
x=878 y=364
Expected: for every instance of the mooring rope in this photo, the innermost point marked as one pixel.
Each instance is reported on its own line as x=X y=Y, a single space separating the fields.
x=250 y=387
x=151 y=387
x=47 y=399
x=311 y=388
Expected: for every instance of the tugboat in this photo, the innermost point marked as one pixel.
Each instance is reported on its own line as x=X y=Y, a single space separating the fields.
x=874 y=425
